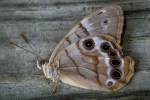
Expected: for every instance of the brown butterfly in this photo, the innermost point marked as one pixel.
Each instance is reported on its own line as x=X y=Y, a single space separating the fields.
x=90 y=56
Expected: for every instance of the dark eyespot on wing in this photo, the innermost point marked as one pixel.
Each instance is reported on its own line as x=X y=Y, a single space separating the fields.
x=112 y=54
x=105 y=21
x=89 y=44
x=116 y=74
x=115 y=62
x=105 y=47
x=109 y=83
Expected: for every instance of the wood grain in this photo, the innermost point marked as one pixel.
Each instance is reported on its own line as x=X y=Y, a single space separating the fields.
x=46 y=22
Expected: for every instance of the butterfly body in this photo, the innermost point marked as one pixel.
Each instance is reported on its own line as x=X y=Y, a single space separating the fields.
x=90 y=55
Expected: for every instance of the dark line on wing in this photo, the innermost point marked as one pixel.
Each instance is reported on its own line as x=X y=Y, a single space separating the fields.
x=77 y=35
x=80 y=50
x=76 y=65
x=67 y=39
x=100 y=13
x=85 y=30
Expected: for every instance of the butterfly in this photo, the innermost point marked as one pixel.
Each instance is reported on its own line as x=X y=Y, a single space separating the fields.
x=90 y=56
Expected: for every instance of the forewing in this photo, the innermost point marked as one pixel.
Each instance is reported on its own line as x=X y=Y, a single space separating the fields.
x=108 y=20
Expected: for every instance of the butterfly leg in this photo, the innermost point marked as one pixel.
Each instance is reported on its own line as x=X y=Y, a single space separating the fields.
x=54 y=87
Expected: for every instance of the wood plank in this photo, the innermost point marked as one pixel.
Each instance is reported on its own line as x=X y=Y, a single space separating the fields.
x=46 y=22
x=63 y=12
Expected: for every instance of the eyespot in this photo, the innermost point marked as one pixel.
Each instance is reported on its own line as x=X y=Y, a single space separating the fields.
x=88 y=44
x=105 y=47
x=105 y=21
x=109 y=83
x=115 y=62
x=112 y=53
x=116 y=74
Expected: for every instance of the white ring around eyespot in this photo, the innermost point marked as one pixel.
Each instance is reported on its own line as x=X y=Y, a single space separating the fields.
x=82 y=46
x=122 y=62
x=96 y=40
x=110 y=80
x=106 y=58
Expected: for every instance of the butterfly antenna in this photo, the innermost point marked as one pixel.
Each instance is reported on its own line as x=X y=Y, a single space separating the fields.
x=38 y=57
x=16 y=45
x=24 y=37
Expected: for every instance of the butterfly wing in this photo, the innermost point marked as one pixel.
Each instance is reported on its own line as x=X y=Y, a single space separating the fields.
x=89 y=71
x=81 y=70
x=108 y=20
x=94 y=68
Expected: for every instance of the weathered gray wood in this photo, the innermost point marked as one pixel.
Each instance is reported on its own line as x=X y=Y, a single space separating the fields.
x=46 y=22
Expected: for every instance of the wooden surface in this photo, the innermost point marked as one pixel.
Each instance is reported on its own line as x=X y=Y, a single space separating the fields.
x=46 y=22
